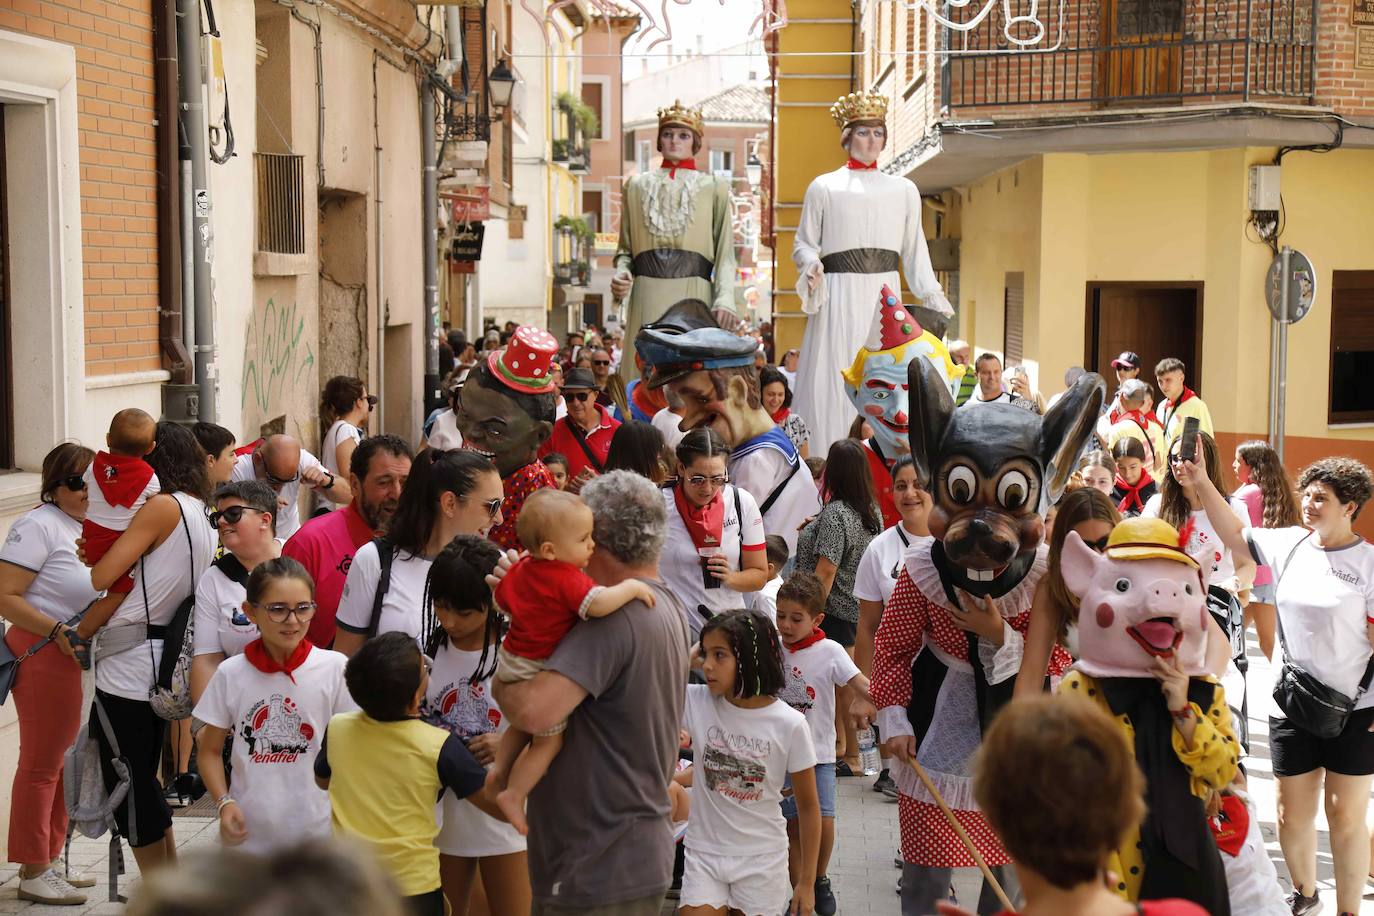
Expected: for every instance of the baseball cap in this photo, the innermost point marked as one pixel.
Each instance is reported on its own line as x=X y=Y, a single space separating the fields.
x=1129 y=359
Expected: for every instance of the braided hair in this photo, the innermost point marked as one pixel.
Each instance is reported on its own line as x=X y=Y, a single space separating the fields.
x=757 y=648
x=457 y=581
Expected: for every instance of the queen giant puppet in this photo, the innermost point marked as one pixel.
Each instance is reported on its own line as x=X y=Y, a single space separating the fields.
x=860 y=229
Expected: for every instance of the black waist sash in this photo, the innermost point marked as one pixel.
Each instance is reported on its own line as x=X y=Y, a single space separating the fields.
x=862 y=261
x=671 y=264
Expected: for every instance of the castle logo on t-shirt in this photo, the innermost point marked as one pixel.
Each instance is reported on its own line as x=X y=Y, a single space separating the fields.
x=796 y=692
x=464 y=709
x=735 y=764
x=274 y=732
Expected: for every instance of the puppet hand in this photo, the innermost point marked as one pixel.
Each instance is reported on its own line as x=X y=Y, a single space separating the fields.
x=1172 y=681
x=814 y=274
x=903 y=747
x=980 y=616
x=620 y=284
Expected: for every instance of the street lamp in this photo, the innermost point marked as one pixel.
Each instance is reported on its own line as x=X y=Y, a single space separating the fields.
x=753 y=170
x=500 y=85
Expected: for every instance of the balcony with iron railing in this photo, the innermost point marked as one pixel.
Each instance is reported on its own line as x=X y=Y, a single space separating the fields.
x=1098 y=54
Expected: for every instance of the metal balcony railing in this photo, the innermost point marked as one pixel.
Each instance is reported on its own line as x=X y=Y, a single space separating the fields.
x=1123 y=52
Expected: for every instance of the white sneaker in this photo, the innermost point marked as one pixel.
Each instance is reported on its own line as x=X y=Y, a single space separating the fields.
x=51 y=889
x=75 y=879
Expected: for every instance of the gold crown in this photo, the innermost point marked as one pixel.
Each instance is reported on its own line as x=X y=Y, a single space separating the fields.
x=859 y=106
x=678 y=116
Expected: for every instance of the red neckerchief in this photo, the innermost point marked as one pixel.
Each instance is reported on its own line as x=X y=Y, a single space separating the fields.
x=121 y=477
x=858 y=166
x=781 y=414
x=816 y=635
x=257 y=656
x=672 y=167
x=248 y=449
x=1171 y=407
x=1230 y=827
x=707 y=524
x=1132 y=498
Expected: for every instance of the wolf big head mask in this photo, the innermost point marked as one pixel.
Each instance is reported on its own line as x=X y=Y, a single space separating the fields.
x=993 y=470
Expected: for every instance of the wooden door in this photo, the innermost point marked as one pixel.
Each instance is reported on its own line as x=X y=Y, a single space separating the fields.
x=1154 y=321
x=1142 y=55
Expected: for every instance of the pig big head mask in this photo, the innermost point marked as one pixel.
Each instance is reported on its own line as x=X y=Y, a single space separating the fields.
x=993 y=469
x=1141 y=600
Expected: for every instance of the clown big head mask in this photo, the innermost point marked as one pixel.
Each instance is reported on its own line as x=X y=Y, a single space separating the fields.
x=1144 y=599
x=876 y=382
x=993 y=470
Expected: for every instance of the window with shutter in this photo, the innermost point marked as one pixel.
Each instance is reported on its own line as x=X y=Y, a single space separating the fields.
x=1014 y=298
x=1352 y=347
x=591 y=97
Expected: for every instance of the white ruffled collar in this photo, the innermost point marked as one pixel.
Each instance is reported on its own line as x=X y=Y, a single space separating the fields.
x=926 y=578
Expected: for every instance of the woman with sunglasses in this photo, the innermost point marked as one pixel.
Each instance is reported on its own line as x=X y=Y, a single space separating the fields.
x=169 y=544
x=446 y=494
x=344 y=408
x=42 y=585
x=245 y=516
x=715 y=549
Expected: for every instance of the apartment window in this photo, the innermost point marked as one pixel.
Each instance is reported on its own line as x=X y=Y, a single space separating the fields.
x=627 y=143
x=591 y=209
x=1014 y=316
x=723 y=162
x=644 y=153
x=591 y=97
x=1352 y=347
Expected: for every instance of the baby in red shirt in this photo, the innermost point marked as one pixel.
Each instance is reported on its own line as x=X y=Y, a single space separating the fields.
x=544 y=594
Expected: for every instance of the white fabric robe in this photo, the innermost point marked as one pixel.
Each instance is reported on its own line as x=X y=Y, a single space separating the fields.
x=844 y=209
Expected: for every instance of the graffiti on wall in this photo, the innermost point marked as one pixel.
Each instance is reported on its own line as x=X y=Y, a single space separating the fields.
x=276 y=356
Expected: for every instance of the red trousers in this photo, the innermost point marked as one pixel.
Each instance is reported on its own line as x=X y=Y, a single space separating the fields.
x=47 y=697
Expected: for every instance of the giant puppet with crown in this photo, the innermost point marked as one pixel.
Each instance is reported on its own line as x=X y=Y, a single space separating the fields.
x=676 y=235
x=860 y=230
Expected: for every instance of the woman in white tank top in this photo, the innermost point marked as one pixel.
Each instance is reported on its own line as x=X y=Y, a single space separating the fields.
x=344 y=406
x=169 y=544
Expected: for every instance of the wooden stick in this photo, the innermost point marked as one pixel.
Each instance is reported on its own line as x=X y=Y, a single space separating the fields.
x=963 y=837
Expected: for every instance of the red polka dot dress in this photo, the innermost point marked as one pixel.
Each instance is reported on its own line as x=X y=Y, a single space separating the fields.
x=917 y=616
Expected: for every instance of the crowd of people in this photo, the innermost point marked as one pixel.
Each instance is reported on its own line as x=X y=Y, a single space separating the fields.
x=584 y=644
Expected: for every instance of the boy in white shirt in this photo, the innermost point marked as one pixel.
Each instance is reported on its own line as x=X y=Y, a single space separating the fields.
x=766 y=599
x=813 y=667
x=275 y=701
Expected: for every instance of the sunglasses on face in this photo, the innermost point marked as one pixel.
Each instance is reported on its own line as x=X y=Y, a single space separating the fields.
x=74 y=482
x=578 y=396
x=601 y=362
x=1100 y=545
x=231 y=516
x=492 y=506
x=277 y=613
x=371 y=401
x=700 y=480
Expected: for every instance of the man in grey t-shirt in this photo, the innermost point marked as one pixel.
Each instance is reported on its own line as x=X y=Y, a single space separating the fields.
x=600 y=837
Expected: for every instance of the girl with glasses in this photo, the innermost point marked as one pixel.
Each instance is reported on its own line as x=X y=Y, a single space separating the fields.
x=274 y=699
x=446 y=494
x=714 y=553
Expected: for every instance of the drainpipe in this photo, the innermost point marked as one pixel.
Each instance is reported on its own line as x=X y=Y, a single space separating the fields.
x=430 y=236
x=193 y=124
x=170 y=323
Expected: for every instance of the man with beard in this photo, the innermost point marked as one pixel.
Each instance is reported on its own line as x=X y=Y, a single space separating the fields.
x=712 y=372
x=325 y=545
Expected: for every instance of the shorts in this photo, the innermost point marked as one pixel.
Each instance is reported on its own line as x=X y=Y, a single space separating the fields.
x=842 y=631
x=825 y=791
x=1263 y=594
x=511 y=668
x=756 y=885
x=1294 y=751
x=139 y=732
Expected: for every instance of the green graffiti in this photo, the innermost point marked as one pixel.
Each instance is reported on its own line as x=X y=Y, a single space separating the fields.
x=274 y=353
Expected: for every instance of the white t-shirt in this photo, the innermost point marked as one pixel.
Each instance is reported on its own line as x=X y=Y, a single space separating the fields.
x=1323 y=598
x=742 y=757
x=462 y=707
x=43 y=541
x=811 y=676
x=171 y=575
x=665 y=421
x=976 y=399
x=288 y=516
x=758 y=472
x=1205 y=544
x=680 y=564
x=401 y=608
x=276 y=727
x=882 y=563
x=765 y=600
x=221 y=625
x=340 y=432
x=110 y=517
x=444 y=435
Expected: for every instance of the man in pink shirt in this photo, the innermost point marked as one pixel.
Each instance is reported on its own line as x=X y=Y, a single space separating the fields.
x=325 y=545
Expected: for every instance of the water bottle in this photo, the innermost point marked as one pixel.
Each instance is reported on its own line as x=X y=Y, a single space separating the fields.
x=869 y=760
